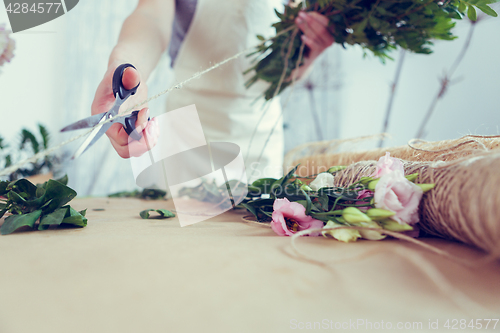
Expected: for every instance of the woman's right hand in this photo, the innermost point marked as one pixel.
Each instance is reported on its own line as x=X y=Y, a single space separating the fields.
x=104 y=100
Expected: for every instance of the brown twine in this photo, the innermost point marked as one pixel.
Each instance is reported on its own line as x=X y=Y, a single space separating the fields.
x=344 y=152
x=465 y=204
x=250 y=219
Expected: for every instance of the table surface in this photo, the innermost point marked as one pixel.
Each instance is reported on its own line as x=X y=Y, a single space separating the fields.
x=125 y=274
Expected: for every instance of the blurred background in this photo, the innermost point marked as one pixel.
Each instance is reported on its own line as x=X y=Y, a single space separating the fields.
x=57 y=67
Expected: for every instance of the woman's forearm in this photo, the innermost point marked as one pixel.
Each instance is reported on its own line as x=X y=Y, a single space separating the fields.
x=145 y=35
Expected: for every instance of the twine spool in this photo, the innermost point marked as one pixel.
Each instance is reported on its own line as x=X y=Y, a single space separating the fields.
x=465 y=204
x=345 y=152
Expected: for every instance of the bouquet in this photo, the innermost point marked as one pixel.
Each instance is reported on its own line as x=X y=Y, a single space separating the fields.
x=388 y=199
x=378 y=26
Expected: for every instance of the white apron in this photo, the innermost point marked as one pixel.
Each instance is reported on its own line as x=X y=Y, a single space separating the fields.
x=227 y=110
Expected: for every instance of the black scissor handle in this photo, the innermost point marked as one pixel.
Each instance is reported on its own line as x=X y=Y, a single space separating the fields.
x=118 y=83
x=129 y=125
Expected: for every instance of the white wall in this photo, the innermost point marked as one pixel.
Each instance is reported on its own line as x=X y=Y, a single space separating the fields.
x=29 y=85
x=472 y=104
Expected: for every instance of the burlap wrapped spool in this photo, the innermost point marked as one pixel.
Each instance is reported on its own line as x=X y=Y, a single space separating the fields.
x=464 y=206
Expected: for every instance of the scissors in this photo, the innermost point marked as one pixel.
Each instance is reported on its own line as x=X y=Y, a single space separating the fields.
x=127 y=121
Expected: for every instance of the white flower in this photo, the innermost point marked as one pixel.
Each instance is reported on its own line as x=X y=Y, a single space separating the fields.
x=324 y=179
x=371 y=234
x=343 y=235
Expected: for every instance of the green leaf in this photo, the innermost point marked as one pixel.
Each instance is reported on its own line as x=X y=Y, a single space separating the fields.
x=487 y=10
x=471 y=13
x=153 y=194
x=45 y=135
x=14 y=222
x=74 y=218
x=59 y=195
x=2 y=145
x=3 y=187
x=381 y=10
x=360 y=27
x=323 y=201
x=46 y=204
x=282 y=181
x=8 y=161
x=249 y=208
x=462 y=7
x=54 y=218
x=23 y=185
x=28 y=136
x=16 y=198
x=63 y=180
x=125 y=194
x=308 y=202
x=280 y=16
x=263 y=185
x=164 y=214
x=40 y=191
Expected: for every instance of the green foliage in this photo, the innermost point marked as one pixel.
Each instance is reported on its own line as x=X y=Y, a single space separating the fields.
x=147 y=194
x=378 y=26
x=30 y=143
x=46 y=202
x=211 y=193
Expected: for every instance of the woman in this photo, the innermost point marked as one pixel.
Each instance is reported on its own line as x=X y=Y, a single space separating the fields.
x=201 y=33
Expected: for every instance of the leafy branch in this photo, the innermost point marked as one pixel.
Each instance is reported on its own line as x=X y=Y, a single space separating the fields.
x=29 y=143
x=378 y=26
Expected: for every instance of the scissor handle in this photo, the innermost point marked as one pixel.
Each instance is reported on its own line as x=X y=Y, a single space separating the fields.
x=118 y=83
x=129 y=126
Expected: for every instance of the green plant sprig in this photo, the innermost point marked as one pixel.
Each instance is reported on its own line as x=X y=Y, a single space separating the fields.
x=146 y=194
x=378 y=26
x=42 y=203
x=30 y=143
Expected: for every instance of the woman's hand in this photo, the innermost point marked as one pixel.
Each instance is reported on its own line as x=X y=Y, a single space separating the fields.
x=104 y=100
x=144 y=37
x=316 y=36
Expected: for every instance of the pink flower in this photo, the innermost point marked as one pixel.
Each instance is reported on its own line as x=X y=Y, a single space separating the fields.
x=7 y=46
x=364 y=194
x=387 y=164
x=290 y=217
x=396 y=193
x=361 y=195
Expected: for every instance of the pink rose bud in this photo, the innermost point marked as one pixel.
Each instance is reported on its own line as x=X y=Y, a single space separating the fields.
x=387 y=164
x=396 y=193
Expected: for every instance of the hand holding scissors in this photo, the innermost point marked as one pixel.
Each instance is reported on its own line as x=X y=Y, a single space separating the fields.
x=127 y=140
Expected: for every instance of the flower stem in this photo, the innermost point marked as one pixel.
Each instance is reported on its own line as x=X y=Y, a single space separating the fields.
x=332 y=212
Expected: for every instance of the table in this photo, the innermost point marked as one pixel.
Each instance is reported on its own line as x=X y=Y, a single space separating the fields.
x=125 y=274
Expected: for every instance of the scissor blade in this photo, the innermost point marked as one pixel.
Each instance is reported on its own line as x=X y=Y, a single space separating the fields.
x=92 y=138
x=85 y=123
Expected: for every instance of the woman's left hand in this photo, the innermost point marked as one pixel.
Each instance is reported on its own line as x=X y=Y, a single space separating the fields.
x=316 y=36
